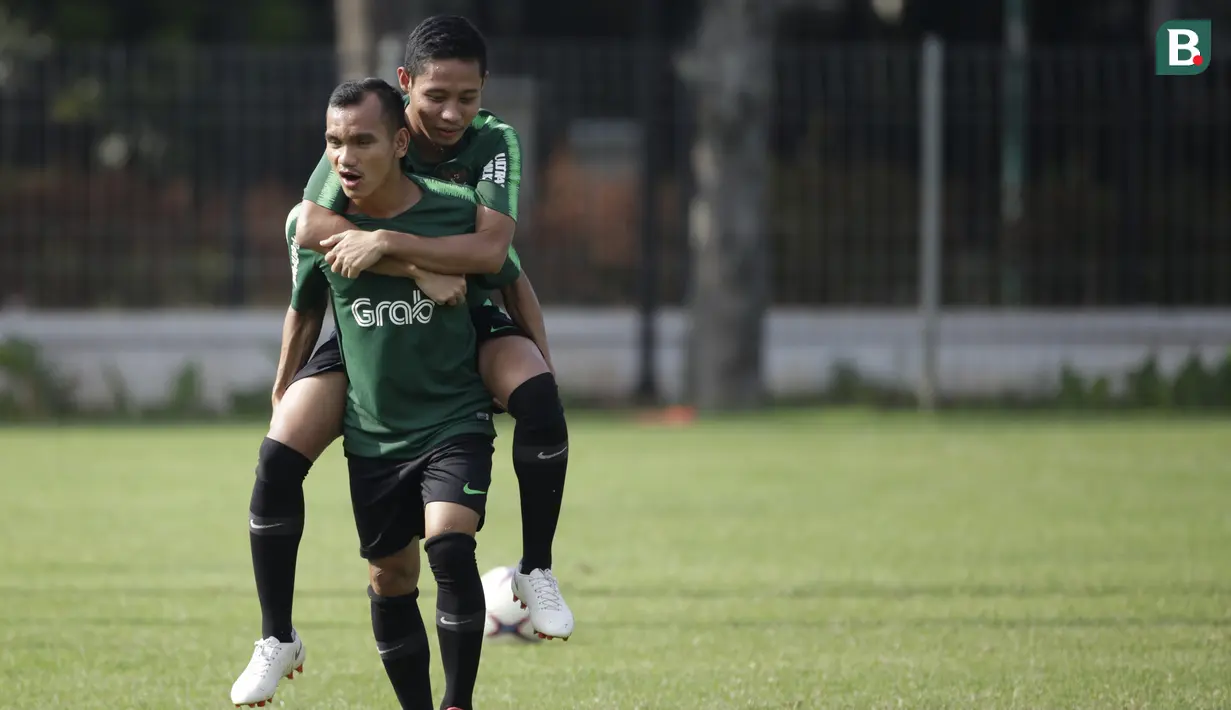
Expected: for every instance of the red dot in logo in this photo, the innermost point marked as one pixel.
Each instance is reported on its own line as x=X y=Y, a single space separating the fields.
x=1198 y=60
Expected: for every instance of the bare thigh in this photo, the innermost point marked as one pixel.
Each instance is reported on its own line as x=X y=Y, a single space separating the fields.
x=505 y=363
x=309 y=417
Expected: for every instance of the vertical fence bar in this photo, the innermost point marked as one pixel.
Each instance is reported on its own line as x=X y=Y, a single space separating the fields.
x=647 y=103
x=1012 y=150
x=931 y=176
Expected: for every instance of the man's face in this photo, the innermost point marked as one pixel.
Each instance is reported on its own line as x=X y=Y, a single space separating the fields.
x=444 y=98
x=361 y=147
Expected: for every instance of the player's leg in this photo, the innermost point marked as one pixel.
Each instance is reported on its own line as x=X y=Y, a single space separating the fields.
x=388 y=512
x=455 y=484
x=516 y=374
x=306 y=421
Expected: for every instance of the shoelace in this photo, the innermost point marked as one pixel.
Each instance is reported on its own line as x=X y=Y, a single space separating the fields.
x=547 y=591
x=267 y=651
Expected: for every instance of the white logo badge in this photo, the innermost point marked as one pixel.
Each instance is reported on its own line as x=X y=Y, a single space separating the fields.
x=497 y=170
x=392 y=312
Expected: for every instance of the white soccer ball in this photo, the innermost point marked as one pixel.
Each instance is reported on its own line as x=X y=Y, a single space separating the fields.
x=505 y=617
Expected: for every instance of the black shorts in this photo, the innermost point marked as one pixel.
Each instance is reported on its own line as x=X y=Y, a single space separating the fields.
x=326 y=358
x=388 y=495
x=489 y=322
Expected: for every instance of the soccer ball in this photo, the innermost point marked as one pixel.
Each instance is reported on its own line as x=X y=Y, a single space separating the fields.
x=505 y=617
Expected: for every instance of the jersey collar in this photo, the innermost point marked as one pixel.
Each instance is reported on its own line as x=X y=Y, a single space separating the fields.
x=419 y=165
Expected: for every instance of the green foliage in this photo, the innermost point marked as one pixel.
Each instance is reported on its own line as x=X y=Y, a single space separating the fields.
x=1146 y=386
x=31 y=389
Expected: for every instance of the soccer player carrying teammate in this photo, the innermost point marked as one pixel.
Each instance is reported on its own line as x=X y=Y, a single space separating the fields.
x=418 y=426
x=452 y=139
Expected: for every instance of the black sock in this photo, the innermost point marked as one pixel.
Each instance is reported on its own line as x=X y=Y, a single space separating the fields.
x=275 y=526
x=540 y=459
x=401 y=640
x=460 y=612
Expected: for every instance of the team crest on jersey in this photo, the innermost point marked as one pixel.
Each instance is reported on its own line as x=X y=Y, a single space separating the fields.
x=456 y=174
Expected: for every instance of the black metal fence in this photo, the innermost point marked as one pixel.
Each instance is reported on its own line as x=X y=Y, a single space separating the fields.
x=161 y=177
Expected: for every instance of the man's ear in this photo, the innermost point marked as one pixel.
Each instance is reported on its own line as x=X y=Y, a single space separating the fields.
x=401 y=142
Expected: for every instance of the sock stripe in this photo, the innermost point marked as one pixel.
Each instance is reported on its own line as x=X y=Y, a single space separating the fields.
x=462 y=623
x=551 y=453
x=260 y=525
x=392 y=650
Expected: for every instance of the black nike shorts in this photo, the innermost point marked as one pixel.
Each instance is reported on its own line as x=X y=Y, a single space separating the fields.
x=489 y=322
x=388 y=495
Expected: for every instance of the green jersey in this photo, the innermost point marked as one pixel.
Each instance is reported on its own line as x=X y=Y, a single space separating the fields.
x=411 y=362
x=487 y=158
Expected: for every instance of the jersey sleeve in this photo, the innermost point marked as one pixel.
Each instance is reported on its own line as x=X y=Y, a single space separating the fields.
x=500 y=180
x=325 y=189
x=309 y=285
x=510 y=272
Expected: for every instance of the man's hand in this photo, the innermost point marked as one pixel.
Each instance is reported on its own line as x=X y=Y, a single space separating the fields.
x=441 y=288
x=353 y=251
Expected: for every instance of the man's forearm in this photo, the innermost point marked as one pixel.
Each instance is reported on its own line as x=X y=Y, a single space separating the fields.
x=524 y=308
x=300 y=331
x=316 y=224
x=389 y=266
x=460 y=254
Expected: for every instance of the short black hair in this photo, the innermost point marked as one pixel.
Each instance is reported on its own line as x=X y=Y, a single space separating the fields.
x=444 y=37
x=353 y=92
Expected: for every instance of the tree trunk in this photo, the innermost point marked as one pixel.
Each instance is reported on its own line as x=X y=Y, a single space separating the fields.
x=354 y=40
x=730 y=71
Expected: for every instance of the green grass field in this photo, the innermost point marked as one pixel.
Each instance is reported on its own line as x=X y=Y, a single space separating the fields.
x=786 y=561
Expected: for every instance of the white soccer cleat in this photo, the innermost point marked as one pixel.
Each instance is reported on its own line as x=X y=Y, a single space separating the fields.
x=271 y=662
x=539 y=592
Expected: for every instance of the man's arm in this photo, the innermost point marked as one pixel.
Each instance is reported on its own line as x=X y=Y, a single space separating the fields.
x=300 y=331
x=526 y=311
x=479 y=252
x=316 y=224
x=309 y=298
x=519 y=300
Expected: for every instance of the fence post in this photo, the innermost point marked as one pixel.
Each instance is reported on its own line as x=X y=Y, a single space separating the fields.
x=1012 y=151
x=650 y=69
x=931 y=180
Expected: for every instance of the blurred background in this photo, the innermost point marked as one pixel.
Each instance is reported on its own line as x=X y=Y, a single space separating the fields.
x=726 y=203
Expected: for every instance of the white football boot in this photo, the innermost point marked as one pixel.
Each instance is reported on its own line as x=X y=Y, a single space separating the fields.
x=271 y=662
x=539 y=592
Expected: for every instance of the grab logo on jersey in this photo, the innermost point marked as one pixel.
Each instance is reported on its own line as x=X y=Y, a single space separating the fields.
x=370 y=315
x=497 y=170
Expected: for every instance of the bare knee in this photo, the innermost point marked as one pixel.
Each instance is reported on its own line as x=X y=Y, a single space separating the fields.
x=396 y=575
x=309 y=417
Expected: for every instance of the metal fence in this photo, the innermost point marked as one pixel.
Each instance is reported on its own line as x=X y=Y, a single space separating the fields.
x=156 y=177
